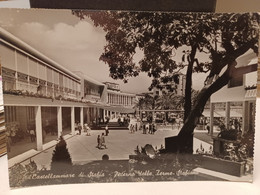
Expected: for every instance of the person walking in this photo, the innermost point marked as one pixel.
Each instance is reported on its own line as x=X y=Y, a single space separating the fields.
x=150 y=128
x=106 y=130
x=144 y=128
x=153 y=128
x=87 y=129
x=32 y=135
x=79 y=128
x=103 y=141
x=98 y=142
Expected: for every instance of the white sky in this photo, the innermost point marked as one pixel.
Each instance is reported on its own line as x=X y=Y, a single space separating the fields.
x=73 y=43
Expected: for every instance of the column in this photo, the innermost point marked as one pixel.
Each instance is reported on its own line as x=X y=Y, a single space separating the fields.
x=52 y=77
x=81 y=116
x=16 y=74
x=227 y=120
x=72 y=119
x=88 y=115
x=104 y=114
x=59 y=117
x=245 y=117
x=46 y=80
x=38 y=123
x=212 y=107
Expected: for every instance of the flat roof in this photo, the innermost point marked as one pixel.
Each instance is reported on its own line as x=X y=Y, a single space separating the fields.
x=13 y=41
x=88 y=78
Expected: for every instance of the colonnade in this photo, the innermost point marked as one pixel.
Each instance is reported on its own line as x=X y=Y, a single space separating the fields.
x=38 y=122
x=119 y=99
x=245 y=116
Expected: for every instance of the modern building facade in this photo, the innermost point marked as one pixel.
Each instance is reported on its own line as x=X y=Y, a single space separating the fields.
x=42 y=99
x=118 y=101
x=237 y=100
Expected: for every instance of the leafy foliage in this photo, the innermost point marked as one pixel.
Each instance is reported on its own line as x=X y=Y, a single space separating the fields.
x=146 y=102
x=19 y=173
x=170 y=101
x=160 y=37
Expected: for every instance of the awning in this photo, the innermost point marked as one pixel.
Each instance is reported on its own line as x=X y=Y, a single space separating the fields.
x=222 y=113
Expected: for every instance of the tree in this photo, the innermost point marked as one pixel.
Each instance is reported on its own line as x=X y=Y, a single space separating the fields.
x=159 y=36
x=61 y=157
x=147 y=102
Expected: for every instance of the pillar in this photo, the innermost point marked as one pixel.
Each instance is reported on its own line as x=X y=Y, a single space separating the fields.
x=59 y=118
x=113 y=102
x=245 y=117
x=212 y=107
x=38 y=123
x=81 y=116
x=227 y=120
x=72 y=119
x=104 y=114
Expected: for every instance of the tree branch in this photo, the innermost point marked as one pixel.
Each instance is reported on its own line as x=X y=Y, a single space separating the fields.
x=237 y=72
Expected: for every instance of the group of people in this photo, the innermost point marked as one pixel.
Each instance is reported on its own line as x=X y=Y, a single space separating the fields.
x=123 y=120
x=149 y=128
x=101 y=142
x=85 y=128
x=136 y=124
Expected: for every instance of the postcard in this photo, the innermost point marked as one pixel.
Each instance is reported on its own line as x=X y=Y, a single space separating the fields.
x=120 y=96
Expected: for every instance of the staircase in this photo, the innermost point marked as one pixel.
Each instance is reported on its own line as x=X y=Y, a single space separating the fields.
x=113 y=126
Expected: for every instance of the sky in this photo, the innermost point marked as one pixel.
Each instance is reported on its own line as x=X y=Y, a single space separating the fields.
x=73 y=43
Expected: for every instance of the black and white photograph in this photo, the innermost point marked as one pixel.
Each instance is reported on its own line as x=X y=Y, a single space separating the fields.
x=119 y=96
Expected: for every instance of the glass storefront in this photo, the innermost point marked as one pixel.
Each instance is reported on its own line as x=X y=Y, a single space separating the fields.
x=20 y=126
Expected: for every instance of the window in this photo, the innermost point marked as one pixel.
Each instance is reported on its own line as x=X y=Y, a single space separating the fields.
x=10 y=114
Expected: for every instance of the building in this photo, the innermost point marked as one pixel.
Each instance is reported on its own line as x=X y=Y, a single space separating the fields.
x=93 y=93
x=42 y=97
x=177 y=86
x=118 y=102
x=44 y=100
x=237 y=100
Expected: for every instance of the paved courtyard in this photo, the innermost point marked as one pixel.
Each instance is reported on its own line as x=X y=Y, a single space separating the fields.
x=120 y=144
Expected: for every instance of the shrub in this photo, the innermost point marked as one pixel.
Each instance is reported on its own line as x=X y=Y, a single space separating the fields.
x=61 y=159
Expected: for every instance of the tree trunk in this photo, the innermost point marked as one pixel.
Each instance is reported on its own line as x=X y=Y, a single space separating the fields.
x=188 y=84
x=183 y=143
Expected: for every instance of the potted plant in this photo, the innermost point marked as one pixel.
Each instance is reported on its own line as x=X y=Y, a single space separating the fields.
x=231 y=156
